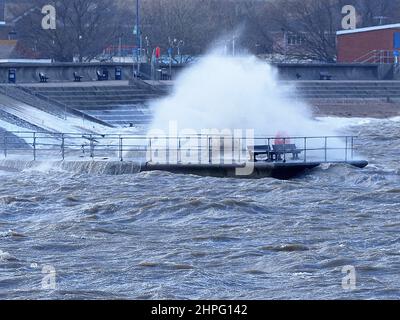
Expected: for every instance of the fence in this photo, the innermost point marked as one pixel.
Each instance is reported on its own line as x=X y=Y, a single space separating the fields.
x=201 y=149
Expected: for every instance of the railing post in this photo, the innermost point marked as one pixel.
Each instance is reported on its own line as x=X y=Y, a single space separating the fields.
x=305 y=149
x=5 y=145
x=121 y=158
x=167 y=151
x=63 y=146
x=209 y=150
x=221 y=146
x=233 y=149
x=345 y=157
x=178 y=151
x=34 y=146
x=199 y=148
x=91 y=147
x=150 y=151
x=326 y=149
x=284 y=150
x=352 y=148
x=240 y=149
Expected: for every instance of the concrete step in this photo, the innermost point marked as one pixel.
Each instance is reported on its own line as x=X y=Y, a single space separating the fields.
x=346 y=87
x=85 y=88
x=115 y=103
x=127 y=120
x=342 y=83
x=122 y=116
x=144 y=126
x=372 y=89
x=114 y=109
x=129 y=113
x=140 y=97
x=340 y=95
x=94 y=93
x=348 y=93
x=98 y=94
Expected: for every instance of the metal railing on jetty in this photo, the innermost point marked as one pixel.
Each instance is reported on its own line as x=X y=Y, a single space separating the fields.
x=193 y=149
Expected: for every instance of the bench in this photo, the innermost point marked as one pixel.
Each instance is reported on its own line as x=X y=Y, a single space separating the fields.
x=255 y=151
x=325 y=76
x=279 y=150
x=164 y=75
x=43 y=78
x=101 y=76
x=77 y=78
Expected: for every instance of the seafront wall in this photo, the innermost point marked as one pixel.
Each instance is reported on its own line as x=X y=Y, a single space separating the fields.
x=278 y=170
x=61 y=72
x=260 y=169
x=345 y=71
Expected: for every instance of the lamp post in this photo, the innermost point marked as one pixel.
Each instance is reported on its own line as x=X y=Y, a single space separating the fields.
x=147 y=47
x=380 y=19
x=175 y=43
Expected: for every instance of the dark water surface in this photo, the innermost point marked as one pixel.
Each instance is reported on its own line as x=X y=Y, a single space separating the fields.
x=160 y=236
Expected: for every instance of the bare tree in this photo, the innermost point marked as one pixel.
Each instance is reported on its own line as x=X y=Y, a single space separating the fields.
x=374 y=12
x=260 y=26
x=84 y=28
x=186 y=21
x=313 y=23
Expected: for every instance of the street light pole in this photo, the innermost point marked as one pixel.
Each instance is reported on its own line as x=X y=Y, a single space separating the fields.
x=178 y=44
x=380 y=19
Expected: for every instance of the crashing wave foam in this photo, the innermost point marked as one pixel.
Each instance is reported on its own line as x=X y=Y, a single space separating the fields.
x=88 y=167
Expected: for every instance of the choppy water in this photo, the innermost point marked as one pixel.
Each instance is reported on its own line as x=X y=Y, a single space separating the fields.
x=158 y=236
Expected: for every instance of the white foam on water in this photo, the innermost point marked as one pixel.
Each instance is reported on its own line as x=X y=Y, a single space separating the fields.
x=5 y=256
x=338 y=123
x=79 y=167
x=44 y=166
x=395 y=119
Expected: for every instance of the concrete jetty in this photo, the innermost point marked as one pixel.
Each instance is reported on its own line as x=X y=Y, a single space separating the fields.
x=260 y=169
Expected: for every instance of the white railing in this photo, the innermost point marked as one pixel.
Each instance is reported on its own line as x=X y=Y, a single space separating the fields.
x=377 y=56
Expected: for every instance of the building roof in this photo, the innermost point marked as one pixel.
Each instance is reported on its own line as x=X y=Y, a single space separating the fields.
x=374 y=28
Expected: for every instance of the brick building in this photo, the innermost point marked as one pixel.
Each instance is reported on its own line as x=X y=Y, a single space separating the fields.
x=377 y=44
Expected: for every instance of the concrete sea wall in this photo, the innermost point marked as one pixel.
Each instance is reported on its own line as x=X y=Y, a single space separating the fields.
x=61 y=72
